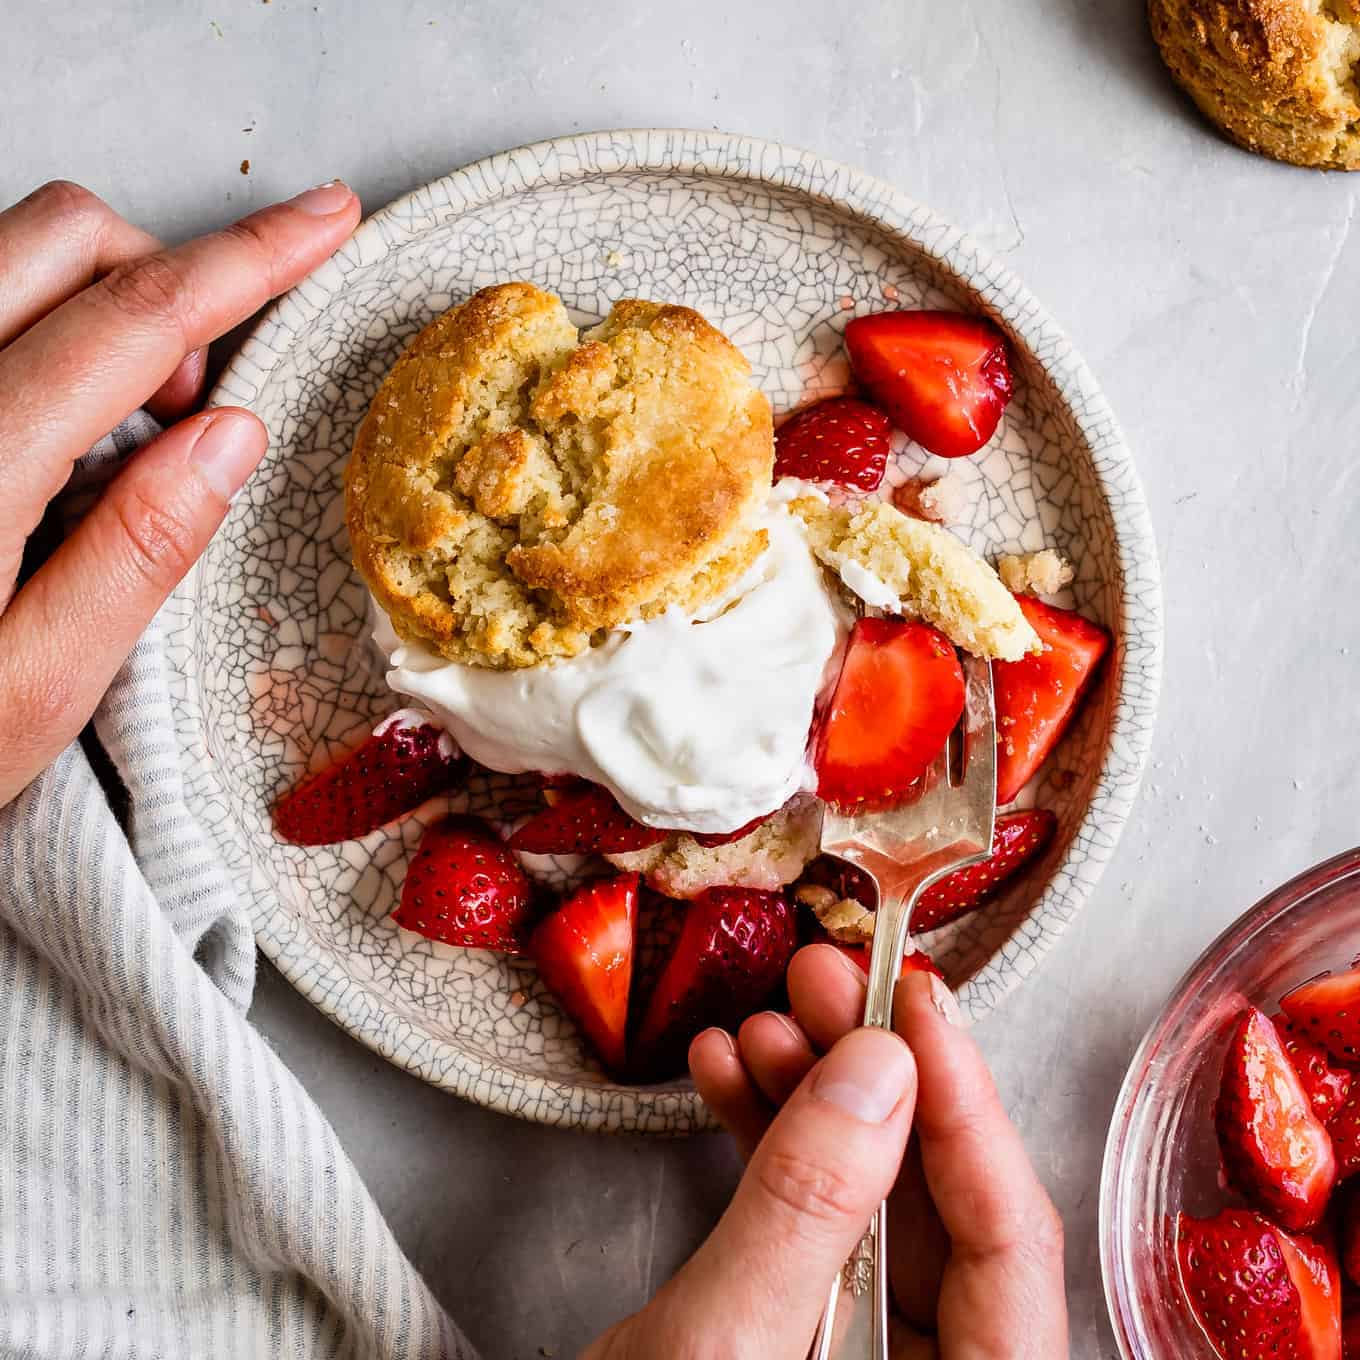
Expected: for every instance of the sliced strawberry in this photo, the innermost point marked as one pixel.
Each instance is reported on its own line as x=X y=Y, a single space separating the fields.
x=464 y=887
x=1313 y=1268
x=1016 y=839
x=942 y=376
x=1344 y=1130
x=1327 y=1084
x=1327 y=1010
x=584 y=820
x=1239 y=1285
x=1037 y=696
x=584 y=952
x=734 y=946
x=711 y=838
x=840 y=440
x=899 y=695
x=405 y=761
x=1274 y=1147
x=913 y=961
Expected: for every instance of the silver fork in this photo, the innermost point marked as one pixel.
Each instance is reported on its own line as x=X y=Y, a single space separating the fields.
x=949 y=825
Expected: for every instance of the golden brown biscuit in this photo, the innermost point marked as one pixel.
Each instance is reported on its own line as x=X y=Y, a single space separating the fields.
x=516 y=489
x=1276 y=75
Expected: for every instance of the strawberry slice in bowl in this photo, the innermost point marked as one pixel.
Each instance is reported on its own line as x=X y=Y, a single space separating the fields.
x=943 y=377
x=733 y=949
x=584 y=952
x=405 y=761
x=1257 y=1291
x=1017 y=838
x=1275 y=1149
x=464 y=887
x=583 y=819
x=1327 y=1010
x=839 y=440
x=1037 y=697
x=899 y=695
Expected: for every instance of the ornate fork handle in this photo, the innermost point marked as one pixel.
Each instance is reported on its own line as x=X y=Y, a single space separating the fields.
x=855 y=1324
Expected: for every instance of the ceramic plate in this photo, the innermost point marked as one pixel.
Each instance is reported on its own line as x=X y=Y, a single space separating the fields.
x=777 y=247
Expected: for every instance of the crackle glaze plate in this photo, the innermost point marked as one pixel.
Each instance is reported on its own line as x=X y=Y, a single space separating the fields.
x=272 y=671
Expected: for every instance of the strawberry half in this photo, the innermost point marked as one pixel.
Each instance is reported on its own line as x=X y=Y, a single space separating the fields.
x=584 y=952
x=1037 y=696
x=943 y=377
x=584 y=820
x=1327 y=1085
x=1327 y=1010
x=464 y=887
x=733 y=949
x=1275 y=1149
x=841 y=440
x=899 y=695
x=405 y=761
x=1313 y=1268
x=1239 y=1286
x=1016 y=839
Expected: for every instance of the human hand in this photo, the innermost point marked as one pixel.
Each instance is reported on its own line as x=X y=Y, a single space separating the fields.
x=823 y=1111
x=96 y=319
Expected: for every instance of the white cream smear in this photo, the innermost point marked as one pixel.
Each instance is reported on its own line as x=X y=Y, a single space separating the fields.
x=694 y=723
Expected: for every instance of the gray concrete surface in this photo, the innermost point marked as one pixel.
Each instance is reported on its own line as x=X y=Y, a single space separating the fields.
x=1213 y=293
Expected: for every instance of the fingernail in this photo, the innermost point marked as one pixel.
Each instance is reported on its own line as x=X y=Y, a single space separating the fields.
x=937 y=992
x=787 y=1025
x=728 y=1041
x=867 y=1074
x=227 y=452
x=325 y=199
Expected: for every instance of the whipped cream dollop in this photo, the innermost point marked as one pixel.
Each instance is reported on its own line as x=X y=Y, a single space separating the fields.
x=697 y=723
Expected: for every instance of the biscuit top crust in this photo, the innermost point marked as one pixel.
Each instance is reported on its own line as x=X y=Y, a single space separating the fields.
x=517 y=489
x=1278 y=76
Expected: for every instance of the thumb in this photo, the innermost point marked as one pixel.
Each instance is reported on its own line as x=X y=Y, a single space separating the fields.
x=814 y=1182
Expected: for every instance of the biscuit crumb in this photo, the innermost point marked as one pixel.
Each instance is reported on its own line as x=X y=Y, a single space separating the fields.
x=844 y=919
x=518 y=999
x=613 y=259
x=1040 y=573
x=245 y=167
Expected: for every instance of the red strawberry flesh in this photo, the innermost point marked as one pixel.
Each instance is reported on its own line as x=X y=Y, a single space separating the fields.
x=913 y=961
x=1016 y=839
x=403 y=763
x=733 y=949
x=1313 y=1268
x=1275 y=1149
x=1327 y=1011
x=1344 y=1130
x=840 y=440
x=1037 y=696
x=899 y=695
x=1327 y=1084
x=584 y=951
x=584 y=820
x=943 y=377
x=464 y=887
x=1238 y=1285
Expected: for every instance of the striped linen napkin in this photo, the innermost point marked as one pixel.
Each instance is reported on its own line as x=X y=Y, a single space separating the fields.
x=167 y=1188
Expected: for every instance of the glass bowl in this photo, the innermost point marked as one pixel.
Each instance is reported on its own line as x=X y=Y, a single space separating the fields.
x=1161 y=1157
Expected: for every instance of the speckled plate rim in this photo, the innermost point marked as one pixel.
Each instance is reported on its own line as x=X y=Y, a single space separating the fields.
x=723 y=156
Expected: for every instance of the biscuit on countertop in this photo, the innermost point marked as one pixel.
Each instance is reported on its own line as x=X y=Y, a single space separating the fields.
x=517 y=488
x=1278 y=76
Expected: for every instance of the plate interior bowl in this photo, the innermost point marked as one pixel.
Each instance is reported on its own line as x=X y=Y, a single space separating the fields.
x=273 y=674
